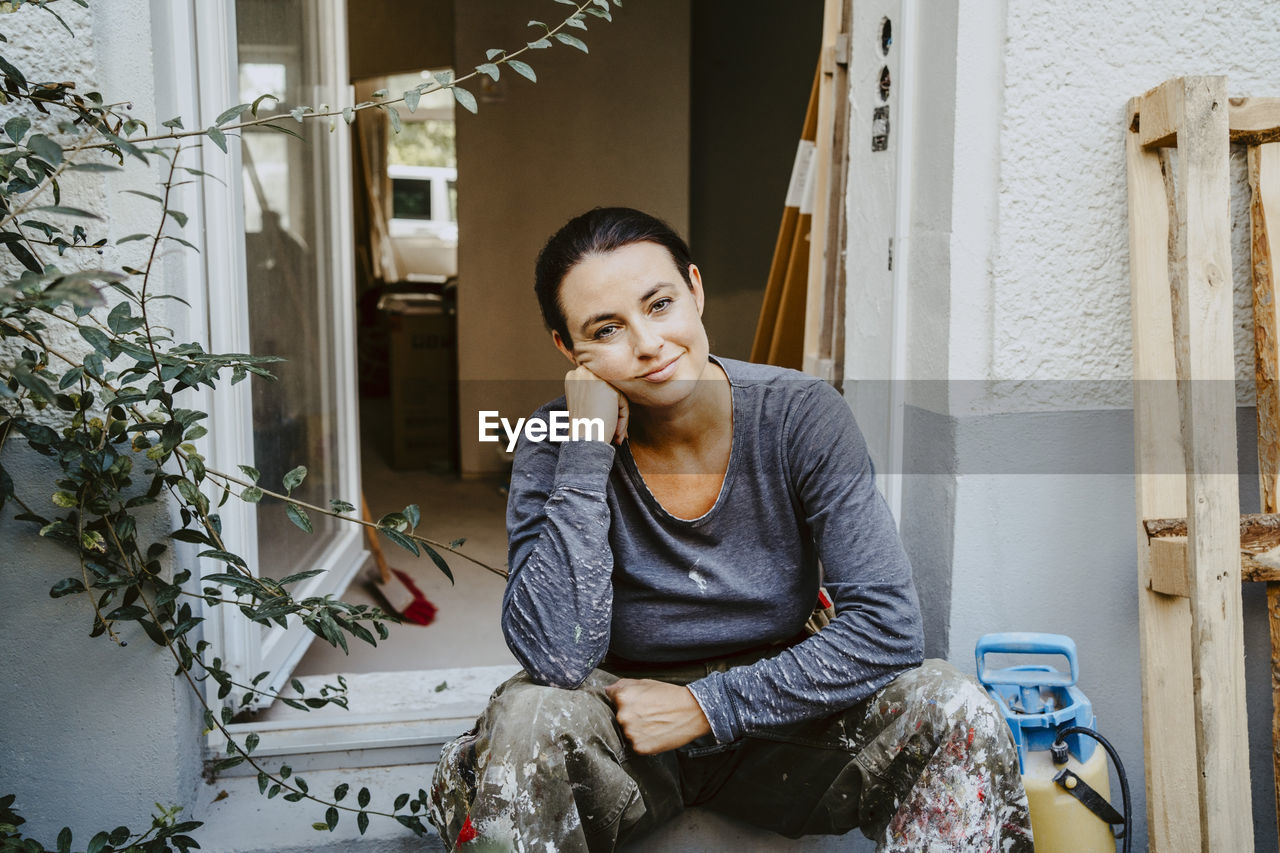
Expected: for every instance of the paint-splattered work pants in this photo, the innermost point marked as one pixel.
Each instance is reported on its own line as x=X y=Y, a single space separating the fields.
x=925 y=764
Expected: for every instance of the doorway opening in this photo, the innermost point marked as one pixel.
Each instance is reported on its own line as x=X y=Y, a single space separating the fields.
x=708 y=146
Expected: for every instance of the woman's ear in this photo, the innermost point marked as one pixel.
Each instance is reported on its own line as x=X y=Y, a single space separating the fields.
x=560 y=345
x=695 y=284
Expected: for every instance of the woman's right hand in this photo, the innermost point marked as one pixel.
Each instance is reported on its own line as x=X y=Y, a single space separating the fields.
x=589 y=396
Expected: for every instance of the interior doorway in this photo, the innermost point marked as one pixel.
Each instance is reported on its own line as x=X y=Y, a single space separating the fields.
x=690 y=111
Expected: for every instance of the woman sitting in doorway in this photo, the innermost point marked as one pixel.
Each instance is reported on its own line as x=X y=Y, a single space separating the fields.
x=661 y=579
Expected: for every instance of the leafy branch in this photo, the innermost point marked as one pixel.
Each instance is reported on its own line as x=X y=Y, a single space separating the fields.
x=112 y=420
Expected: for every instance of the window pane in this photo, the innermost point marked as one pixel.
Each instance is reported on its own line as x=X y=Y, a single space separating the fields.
x=290 y=280
x=410 y=199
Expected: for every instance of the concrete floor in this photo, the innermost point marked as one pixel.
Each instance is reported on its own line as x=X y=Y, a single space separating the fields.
x=466 y=631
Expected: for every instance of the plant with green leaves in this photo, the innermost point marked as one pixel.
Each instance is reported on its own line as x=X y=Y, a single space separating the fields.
x=108 y=410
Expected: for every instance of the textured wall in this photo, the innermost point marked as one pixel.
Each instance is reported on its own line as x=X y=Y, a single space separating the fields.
x=1060 y=286
x=91 y=734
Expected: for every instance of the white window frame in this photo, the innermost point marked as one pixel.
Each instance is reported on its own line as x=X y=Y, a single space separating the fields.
x=201 y=63
x=201 y=83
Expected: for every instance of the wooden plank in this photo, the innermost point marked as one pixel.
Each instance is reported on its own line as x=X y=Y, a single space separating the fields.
x=1253 y=525
x=1264 y=185
x=793 y=236
x=1164 y=622
x=786 y=348
x=1273 y=617
x=1200 y=275
x=833 y=24
x=1264 y=182
x=1169 y=566
x=768 y=319
x=1254 y=121
x=1156 y=115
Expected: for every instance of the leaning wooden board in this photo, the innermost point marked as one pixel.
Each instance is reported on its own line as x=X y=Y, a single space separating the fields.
x=1192 y=564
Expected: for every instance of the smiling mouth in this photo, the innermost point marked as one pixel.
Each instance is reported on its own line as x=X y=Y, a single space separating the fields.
x=663 y=373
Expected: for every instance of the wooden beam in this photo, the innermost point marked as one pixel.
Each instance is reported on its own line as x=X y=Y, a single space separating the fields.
x=1164 y=622
x=826 y=351
x=1155 y=115
x=1251 y=121
x=1200 y=275
x=1264 y=183
x=830 y=92
x=1252 y=526
x=1169 y=571
x=1169 y=566
x=1254 y=121
x=1264 y=186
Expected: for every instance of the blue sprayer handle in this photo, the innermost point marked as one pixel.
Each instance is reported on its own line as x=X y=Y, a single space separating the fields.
x=1030 y=643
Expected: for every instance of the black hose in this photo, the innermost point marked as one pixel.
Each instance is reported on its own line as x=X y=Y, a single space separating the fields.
x=1127 y=833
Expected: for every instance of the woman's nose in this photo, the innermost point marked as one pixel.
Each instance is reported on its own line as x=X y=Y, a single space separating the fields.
x=647 y=340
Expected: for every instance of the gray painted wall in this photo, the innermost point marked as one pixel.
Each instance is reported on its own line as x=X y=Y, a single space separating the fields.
x=91 y=734
x=928 y=511
x=1025 y=522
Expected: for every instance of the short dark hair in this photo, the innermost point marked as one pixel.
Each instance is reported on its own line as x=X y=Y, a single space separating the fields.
x=596 y=232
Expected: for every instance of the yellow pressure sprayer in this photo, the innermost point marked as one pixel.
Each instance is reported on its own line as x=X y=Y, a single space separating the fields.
x=1052 y=722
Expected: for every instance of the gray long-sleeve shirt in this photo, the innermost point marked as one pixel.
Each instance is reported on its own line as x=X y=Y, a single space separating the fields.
x=597 y=565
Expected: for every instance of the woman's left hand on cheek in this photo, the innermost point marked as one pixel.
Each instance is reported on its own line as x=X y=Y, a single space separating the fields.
x=656 y=716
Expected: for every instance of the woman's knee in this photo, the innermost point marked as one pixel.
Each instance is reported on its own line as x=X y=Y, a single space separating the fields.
x=951 y=700
x=538 y=719
x=536 y=705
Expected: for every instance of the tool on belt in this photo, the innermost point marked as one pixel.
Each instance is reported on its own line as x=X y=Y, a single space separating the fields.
x=822 y=613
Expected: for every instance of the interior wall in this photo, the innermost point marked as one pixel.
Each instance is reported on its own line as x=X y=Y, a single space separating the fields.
x=608 y=128
x=397 y=36
x=750 y=73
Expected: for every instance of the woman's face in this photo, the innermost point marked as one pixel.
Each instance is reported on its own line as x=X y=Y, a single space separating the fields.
x=634 y=323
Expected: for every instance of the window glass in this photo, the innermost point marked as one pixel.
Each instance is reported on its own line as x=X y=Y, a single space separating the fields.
x=411 y=199
x=290 y=279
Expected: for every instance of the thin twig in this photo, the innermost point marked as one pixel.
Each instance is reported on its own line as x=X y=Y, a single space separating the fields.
x=505 y=58
x=288 y=499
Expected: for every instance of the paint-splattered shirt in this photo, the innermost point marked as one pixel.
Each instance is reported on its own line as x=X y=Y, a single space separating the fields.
x=598 y=566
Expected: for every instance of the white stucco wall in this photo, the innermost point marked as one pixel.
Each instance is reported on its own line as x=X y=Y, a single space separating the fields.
x=1031 y=283
x=1059 y=284
x=91 y=734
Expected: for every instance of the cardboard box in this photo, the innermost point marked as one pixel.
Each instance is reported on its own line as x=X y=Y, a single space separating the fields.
x=424 y=386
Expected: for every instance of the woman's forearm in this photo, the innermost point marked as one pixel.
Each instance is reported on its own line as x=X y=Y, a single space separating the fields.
x=559 y=600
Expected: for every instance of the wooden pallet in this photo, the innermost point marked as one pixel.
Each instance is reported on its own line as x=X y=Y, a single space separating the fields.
x=1190 y=565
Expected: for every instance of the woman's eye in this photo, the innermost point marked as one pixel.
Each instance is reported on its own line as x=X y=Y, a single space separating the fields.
x=663 y=304
x=604 y=332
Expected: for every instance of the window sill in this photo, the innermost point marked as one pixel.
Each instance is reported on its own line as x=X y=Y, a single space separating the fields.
x=393 y=718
